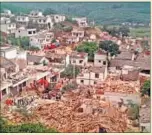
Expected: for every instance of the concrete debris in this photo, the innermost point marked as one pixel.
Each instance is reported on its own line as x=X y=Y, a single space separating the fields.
x=118 y=86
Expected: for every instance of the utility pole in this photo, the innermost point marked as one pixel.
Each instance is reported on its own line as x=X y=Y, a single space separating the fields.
x=74 y=71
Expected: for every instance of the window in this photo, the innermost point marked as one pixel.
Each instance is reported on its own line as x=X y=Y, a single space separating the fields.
x=99 y=61
x=19 y=31
x=95 y=82
x=82 y=81
x=30 y=32
x=24 y=84
x=80 y=61
x=74 y=61
x=3 y=92
x=104 y=62
x=34 y=32
x=96 y=75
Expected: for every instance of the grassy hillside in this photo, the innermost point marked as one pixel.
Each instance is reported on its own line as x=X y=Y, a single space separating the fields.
x=102 y=13
x=14 y=8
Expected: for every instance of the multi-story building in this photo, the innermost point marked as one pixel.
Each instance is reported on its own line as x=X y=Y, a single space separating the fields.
x=79 y=58
x=25 y=32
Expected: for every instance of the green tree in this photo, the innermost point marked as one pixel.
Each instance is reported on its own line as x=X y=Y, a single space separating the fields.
x=110 y=47
x=49 y=11
x=124 y=31
x=145 y=89
x=33 y=48
x=24 y=128
x=21 y=42
x=53 y=40
x=70 y=71
x=88 y=47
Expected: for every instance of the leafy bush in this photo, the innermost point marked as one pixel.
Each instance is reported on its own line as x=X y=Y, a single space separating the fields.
x=133 y=111
x=145 y=90
x=33 y=48
x=69 y=72
x=21 y=42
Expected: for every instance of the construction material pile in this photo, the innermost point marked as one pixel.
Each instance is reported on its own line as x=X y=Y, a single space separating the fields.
x=116 y=85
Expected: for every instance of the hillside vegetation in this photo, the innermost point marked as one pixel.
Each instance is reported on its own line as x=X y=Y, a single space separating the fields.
x=102 y=13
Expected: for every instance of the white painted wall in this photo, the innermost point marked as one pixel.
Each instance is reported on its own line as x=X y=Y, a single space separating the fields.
x=10 y=54
x=59 y=18
x=90 y=79
x=22 y=19
x=76 y=61
x=25 y=32
x=35 y=42
x=76 y=33
x=99 y=59
x=8 y=28
x=22 y=55
x=67 y=60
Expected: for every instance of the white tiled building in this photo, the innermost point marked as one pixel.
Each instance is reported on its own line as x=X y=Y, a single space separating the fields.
x=35 y=14
x=92 y=76
x=78 y=33
x=100 y=59
x=22 y=19
x=41 y=39
x=59 y=18
x=9 y=52
x=82 y=22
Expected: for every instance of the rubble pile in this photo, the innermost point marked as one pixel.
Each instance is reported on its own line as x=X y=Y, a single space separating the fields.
x=116 y=85
x=77 y=111
x=79 y=114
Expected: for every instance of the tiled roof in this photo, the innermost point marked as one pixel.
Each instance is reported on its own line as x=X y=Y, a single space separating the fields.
x=78 y=55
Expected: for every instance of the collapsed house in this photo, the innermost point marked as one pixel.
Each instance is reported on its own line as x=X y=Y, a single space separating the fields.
x=57 y=58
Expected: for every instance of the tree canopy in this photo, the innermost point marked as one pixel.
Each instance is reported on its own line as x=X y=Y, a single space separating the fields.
x=88 y=47
x=145 y=89
x=110 y=47
x=70 y=71
x=117 y=31
x=21 y=42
